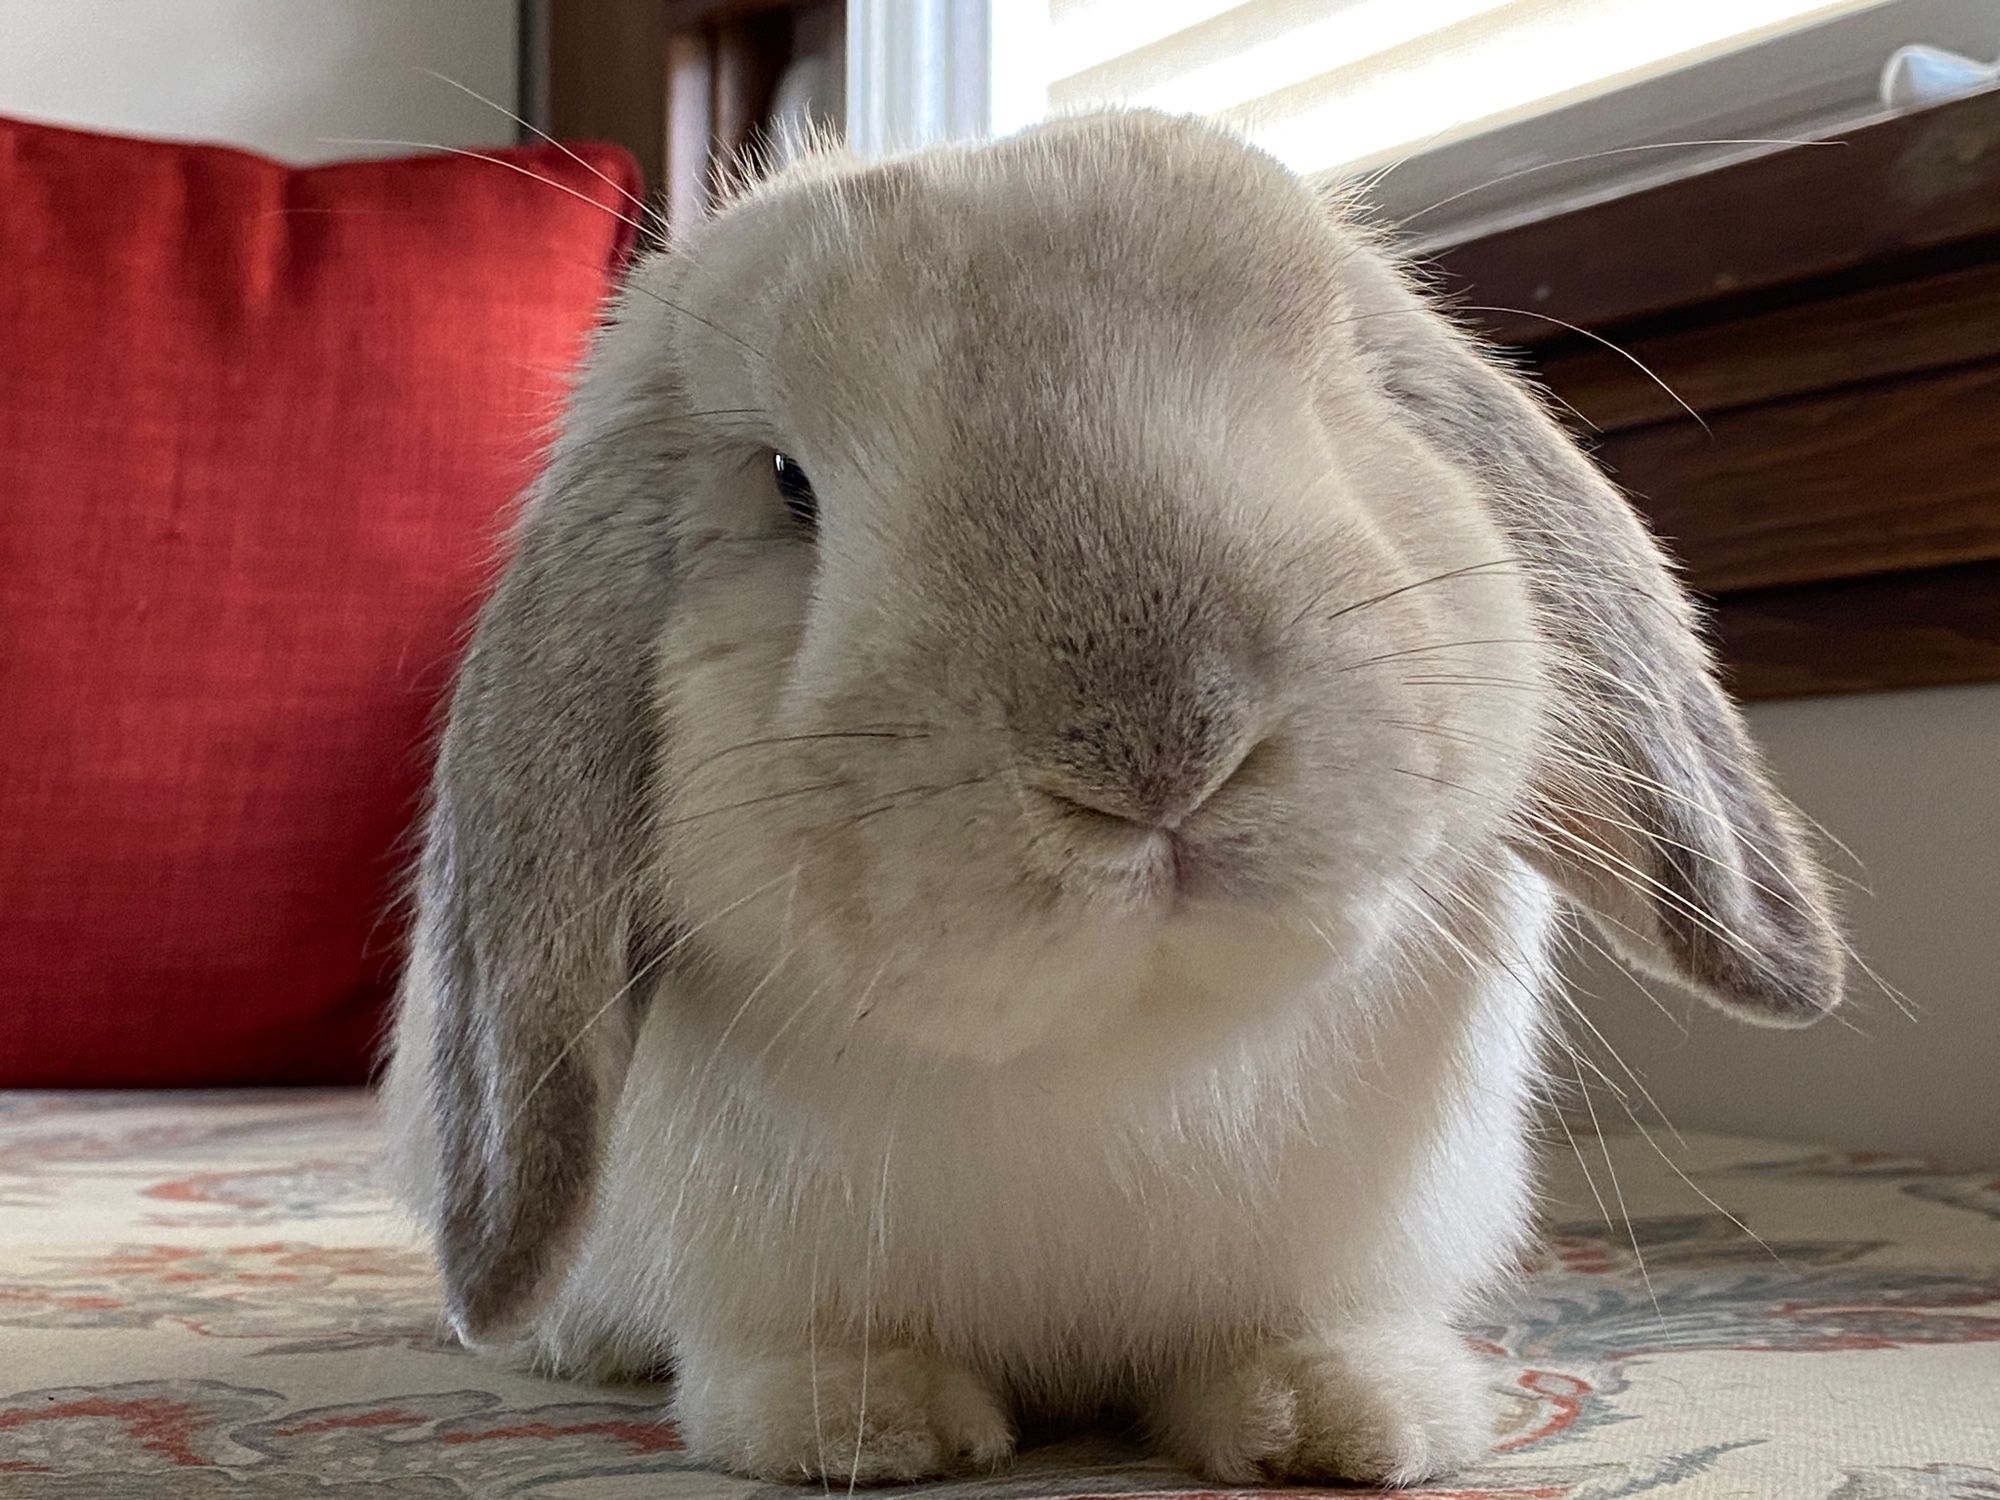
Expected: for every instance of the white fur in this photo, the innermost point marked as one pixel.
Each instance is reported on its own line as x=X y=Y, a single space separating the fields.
x=1301 y=1217
x=1096 y=877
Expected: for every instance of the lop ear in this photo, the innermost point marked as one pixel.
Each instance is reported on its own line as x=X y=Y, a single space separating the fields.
x=528 y=911
x=1653 y=809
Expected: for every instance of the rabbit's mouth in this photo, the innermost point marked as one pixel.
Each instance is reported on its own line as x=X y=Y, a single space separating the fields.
x=1167 y=885
x=1133 y=867
x=1151 y=845
x=1146 y=870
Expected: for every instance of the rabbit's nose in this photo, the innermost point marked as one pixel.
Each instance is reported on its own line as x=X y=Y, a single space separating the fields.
x=1143 y=709
x=1155 y=797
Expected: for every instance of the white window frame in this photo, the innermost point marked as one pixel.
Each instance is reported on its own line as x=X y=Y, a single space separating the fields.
x=922 y=72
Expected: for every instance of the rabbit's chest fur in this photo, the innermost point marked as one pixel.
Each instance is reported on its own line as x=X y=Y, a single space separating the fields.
x=1069 y=1238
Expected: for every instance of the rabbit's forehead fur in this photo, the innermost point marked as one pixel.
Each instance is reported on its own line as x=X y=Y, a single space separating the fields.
x=1121 y=331
x=1027 y=270
x=1098 y=470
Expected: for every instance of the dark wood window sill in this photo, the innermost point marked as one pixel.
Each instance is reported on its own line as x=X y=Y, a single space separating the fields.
x=1833 y=312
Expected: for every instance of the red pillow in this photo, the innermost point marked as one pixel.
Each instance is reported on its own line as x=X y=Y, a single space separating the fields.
x=260 y=429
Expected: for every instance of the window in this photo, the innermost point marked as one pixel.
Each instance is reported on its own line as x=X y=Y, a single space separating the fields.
x=1479 y=107
x=1356 y=84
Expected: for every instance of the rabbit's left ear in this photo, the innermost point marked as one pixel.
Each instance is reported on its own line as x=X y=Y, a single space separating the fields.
x=519 y=995
x=1652 y=810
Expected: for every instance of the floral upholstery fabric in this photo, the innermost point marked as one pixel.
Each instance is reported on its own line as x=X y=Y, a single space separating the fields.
x=208 y=1295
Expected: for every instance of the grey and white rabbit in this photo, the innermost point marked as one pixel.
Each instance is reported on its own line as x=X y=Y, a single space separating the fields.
x=1000 y=846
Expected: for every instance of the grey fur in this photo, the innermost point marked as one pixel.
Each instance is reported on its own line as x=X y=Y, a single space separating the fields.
x=1731 y=902
x=530 y=891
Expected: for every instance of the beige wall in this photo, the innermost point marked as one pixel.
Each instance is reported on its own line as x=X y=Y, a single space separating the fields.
x=280 y=76
x=1910 y=781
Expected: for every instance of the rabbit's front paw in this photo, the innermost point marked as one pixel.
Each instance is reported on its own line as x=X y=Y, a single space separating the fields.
x=1389 y=1406
x=890 y=1417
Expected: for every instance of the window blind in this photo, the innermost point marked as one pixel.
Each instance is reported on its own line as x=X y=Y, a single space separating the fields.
x=1333 y=86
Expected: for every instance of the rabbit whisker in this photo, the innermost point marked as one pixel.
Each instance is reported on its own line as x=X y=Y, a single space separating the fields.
x=1582 y=1059
x=1589 y=766
x=911 y=794
x=1445 y=679
x=861 y=1005
x=1597 y=338
x=616 y=889
x=498 y=161
x=630 y=197
x=1627 y=873
x=1705 y=1197
x=877 y=1251
x=1589 y=1177
x=1382 y=598
x=699 y=1090
x=760 y=801
x=692 y=316
x=1613 y=770
x=798 y=1014
x=1370 y=661
x=1523 y=312
x=1571 y=161
x=1362 y=186
x=812 y=1361
x=1622 y=869
x=1598 y=809
x=1495 y=935
x=1618 y=1192
x=1542 y=825
x=1471 y=964
x=752 y=539
x=638 y=976
x=1597 y=813
x=1579 y=932
x=881 y=733
x=1638 y=1083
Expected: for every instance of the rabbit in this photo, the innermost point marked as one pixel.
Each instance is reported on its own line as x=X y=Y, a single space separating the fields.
x=1001 y=847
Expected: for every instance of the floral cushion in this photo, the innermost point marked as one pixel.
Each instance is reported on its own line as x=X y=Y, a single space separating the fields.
x=208 y=1295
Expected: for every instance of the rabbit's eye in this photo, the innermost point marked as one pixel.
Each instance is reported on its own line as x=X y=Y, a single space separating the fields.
x=795 y=490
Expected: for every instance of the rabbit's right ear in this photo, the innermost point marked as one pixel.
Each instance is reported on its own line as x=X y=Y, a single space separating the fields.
x=527 y=902
x=1651 y=808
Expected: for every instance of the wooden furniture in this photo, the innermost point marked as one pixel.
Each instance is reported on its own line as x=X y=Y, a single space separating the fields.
x=1833 y=313
x=684 y=84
